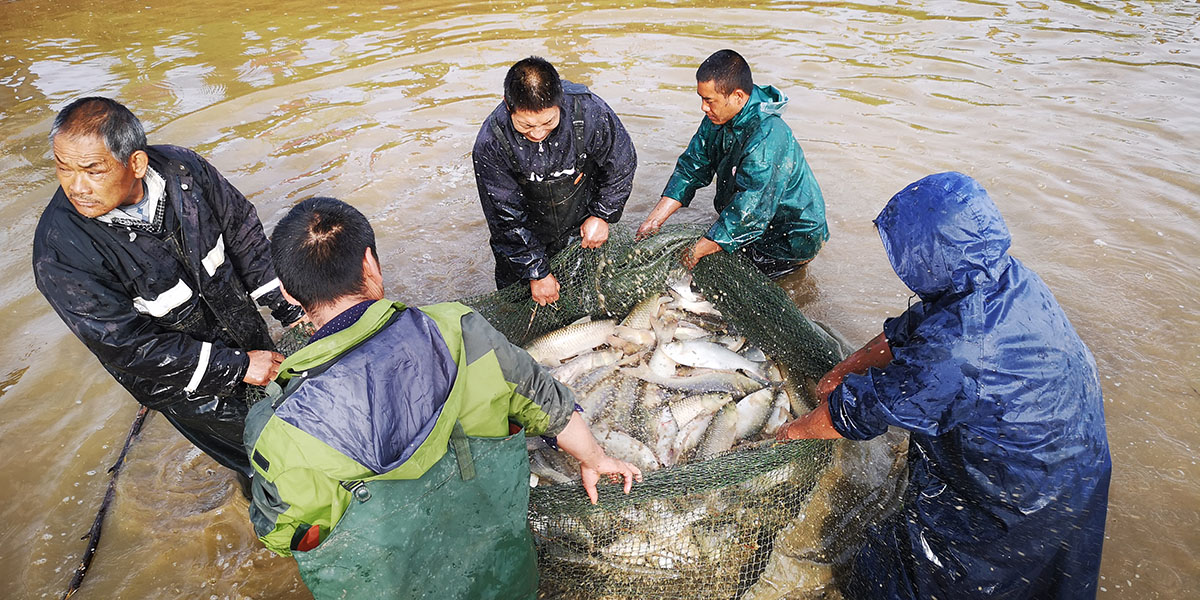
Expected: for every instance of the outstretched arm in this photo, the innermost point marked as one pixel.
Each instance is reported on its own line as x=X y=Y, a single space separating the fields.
x=818 y=424
x=577 y=441
x=664 y=209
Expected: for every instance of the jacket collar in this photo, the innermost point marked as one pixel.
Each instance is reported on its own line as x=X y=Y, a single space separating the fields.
x=378 y=315
x=765 y=100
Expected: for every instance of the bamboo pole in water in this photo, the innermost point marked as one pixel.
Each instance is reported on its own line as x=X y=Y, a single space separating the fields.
x=93 y=534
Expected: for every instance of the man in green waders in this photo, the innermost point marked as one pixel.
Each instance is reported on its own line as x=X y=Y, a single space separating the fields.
x=386 y=458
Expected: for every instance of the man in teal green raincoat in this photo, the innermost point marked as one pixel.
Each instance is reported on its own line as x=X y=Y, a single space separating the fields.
x=769 y=205
x=385 y=459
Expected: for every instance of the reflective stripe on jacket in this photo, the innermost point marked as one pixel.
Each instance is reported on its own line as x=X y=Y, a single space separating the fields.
x=168 y=315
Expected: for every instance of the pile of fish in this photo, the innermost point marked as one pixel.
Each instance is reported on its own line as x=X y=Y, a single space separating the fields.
x=671 y=383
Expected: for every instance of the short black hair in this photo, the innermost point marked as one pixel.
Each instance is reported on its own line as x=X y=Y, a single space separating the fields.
x=728 y=71
x=318 y=250
x=104 y=118
x=532 y=85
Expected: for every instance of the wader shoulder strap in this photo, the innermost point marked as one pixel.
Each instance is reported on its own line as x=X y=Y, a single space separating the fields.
x=577 y=123
x=462 y=454
x=506 y=147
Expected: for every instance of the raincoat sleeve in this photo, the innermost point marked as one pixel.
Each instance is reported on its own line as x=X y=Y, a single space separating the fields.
x=695 y=167
x=924 y=389
x=100 y=313
x=504 y=208
x=246 y=245
x=616 y=160
x=538 y=402
x=761 y=181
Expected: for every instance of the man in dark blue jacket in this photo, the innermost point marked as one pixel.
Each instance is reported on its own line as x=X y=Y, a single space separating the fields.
x=553 y=163
x=155 y=262
x=1008 y=455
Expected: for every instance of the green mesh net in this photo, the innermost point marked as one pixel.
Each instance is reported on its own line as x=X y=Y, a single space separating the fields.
x=705 y=529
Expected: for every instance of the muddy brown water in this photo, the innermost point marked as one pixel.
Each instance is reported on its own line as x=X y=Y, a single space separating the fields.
x=1080 y=119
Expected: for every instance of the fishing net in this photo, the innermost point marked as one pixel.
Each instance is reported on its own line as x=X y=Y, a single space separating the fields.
x=704 y=529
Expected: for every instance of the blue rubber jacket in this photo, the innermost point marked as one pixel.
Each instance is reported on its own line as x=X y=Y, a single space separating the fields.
x=1008 y=456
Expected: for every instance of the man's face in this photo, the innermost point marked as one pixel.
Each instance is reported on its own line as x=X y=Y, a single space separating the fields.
x=535 y=125
x=95 y=182
x=718 y=107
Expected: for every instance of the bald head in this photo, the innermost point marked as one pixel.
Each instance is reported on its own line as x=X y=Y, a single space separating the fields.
x=532 y=85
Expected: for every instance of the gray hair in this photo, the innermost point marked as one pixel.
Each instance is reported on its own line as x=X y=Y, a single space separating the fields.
x=104 y=118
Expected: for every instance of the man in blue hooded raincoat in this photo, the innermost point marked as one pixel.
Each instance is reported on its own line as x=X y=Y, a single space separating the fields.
x=1008 y=457
x=769 y=205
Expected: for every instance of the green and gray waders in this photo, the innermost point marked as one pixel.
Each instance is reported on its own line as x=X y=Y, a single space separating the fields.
x=460 y=531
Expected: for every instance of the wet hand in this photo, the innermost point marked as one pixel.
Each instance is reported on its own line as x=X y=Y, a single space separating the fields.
x=703 y=247
x=788 y=432
x=264 y=366
x=594 y=231
x=648 y=228
x=544 y=290
x=826 y=386
x=616 y=470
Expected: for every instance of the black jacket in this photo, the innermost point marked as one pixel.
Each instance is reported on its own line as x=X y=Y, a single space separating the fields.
x=169 y=315
x=611 y=161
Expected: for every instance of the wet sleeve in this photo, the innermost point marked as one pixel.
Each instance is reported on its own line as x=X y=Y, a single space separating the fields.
x=538 y=402
x=695 y=167
x=246 y=245
x=761 y=180
x=612 y=149
x=925 y=389
x=504 y=209
x=100 y=313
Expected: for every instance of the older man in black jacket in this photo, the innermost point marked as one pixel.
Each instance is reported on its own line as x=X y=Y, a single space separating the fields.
x=154 y=261
x=552 y=163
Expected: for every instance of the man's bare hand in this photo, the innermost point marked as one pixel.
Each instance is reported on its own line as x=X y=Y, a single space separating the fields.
x=594 y=231
x=703 y=247
x=544 y=290
x=264 y=366
x=648 y=228
x=616 y=470
x=664 y=209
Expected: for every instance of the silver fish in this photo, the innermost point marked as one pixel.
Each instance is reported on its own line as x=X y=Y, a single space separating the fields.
x=753 y=412
x=780 y=413
x=584 y=363
x=569 y=341
x=720 y=435
x=690 y=435
x=701 y=381
x=687 y=409
x=629 y=336
x=689 y=331
x=623 y=446
x=644 y=312
x=699 y=353
x=662 y=431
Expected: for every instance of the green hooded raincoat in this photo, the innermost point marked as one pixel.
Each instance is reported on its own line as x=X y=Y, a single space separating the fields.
x=766 y=194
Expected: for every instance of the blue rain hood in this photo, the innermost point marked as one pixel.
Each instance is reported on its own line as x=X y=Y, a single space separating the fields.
x=943 y=234
x=1008 y=455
